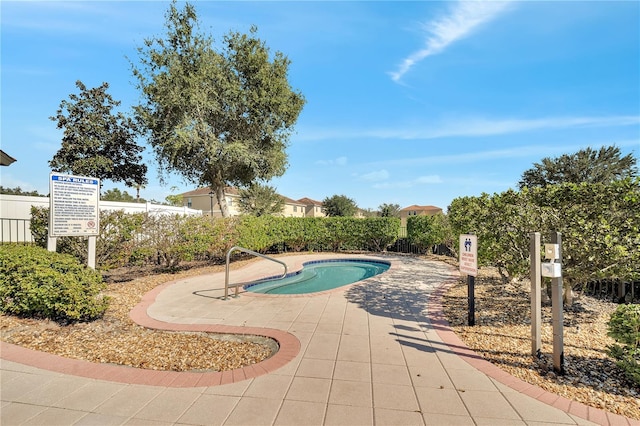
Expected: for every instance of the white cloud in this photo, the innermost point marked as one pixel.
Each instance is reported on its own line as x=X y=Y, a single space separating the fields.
x=462 y=20
x=375 y=176
x=429 y=179
x=471 y=127
x=422 y=180
x=340 y=161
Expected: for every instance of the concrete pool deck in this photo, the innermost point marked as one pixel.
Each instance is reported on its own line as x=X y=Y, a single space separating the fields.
x=375 y=353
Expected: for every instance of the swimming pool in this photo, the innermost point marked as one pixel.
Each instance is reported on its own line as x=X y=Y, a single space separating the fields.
x=321 y=275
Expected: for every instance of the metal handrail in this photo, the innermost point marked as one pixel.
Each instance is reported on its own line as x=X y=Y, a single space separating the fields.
x=244 y=250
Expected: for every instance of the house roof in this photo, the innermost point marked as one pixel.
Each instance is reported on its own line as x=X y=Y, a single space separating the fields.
x=416 y=207
x=308 y=201
x=288 y=200
x=5 y=159
x=206 y=190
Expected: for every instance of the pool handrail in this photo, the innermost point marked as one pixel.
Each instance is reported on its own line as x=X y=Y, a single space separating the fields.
x=244 y=250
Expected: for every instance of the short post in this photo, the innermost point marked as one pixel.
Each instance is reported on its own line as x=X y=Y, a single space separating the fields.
x=536 y=303
x=91 y=255
x=471 y=284
x=557 y=311
x=51 y=243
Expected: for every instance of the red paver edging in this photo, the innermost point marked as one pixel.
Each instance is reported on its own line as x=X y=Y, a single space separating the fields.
x=457 y=346
x=288 y=343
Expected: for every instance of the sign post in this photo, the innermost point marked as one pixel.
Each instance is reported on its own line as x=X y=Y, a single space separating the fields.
x=536 y=295
x=553 y=252
x=73 y=209
x=469 y=265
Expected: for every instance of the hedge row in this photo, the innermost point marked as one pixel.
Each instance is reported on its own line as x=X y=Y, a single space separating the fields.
x=600 y=227
x=127 y=239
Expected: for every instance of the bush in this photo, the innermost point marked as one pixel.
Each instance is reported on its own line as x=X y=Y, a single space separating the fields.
x=38 y=283
x=624 y=327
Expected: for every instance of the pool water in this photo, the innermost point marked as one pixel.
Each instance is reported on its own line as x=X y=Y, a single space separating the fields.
x=321 y=275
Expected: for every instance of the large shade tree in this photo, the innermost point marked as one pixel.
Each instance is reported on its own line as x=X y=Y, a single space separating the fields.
x=96 y=141
x=217 y=116
x=605 y=165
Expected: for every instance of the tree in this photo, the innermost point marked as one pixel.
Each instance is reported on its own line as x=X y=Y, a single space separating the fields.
x=587 y=165
x=217 y=117
x=260 y=200
x=96 y=142
x=389 y=210
x=116 y=195
x=174 y=199
x=339 y=205
x=19 y=191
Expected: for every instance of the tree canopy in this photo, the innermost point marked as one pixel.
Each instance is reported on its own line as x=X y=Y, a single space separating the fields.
x=218 y=116
x=19 y=191
x=587 y=165
x=339 y=205
x=260 y=200
x=96 y=142
x=389 y=210
x=123 y=196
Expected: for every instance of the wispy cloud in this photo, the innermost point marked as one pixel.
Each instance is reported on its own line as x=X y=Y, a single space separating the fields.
x=422 y=180
x=340 y=161
x=470 y=127
x=478 y=157
x=460 y=22
x=376 y=176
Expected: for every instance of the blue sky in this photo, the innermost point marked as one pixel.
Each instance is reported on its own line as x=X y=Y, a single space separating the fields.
x=407 y=102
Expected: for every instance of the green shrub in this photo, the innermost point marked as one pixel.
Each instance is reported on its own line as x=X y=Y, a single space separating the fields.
x=115 y=246
x=624 y=327
x=420 y=233
x=38 y=283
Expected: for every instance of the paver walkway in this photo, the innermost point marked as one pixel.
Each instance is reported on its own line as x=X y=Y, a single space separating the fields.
x=374 y=353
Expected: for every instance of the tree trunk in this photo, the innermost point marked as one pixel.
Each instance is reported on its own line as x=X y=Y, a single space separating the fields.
x=222 y=201
x=568 y=293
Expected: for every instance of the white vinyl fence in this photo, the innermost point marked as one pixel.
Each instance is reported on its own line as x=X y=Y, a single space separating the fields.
x=15 y=213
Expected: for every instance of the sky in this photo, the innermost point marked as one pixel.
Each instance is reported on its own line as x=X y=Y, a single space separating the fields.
x=407 y=102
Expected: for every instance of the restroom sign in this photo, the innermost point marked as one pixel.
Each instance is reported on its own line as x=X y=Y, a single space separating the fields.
x=73 y=205
x=468 y=254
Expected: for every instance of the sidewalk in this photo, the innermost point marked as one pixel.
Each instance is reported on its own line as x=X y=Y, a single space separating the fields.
x=376 y=353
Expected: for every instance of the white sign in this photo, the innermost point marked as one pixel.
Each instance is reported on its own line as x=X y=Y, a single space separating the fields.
x=73 y=205
x=469 y=254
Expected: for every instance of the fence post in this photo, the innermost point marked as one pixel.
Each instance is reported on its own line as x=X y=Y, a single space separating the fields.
x=536 y=294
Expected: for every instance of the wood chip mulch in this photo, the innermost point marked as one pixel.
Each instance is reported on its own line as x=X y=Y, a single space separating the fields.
x=115 y=339
x=502 y=335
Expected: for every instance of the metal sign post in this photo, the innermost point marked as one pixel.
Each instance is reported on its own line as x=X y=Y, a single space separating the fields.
x=556 y=306
x=469 y=265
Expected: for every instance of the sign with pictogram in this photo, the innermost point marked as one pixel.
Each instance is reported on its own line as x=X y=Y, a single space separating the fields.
x=468 y=254
x=73 y=205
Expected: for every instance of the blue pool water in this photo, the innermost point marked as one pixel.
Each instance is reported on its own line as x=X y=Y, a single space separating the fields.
x=321 y=275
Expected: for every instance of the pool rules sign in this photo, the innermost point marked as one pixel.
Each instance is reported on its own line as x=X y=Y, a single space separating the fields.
x=73 y=210
x=73 y=205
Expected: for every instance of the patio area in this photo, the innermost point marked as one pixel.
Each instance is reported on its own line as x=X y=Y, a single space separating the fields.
x=375 y=353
